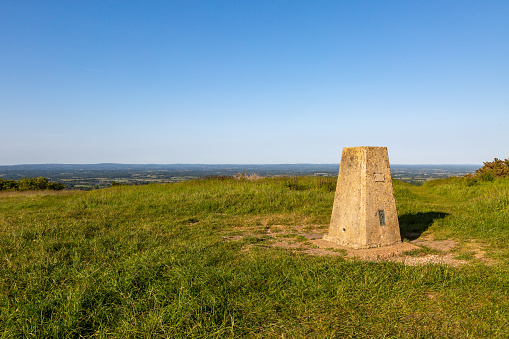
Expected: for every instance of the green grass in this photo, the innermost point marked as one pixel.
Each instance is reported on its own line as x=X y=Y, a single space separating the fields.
x=422 y=251
x=151 y=261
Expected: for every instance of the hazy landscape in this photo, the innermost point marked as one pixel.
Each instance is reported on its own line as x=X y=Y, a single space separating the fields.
x=94 y=176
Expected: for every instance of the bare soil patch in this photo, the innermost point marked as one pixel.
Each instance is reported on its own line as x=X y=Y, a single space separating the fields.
x=421 y=250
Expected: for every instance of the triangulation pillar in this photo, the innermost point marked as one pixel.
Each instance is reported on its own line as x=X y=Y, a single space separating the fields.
x=364 y=213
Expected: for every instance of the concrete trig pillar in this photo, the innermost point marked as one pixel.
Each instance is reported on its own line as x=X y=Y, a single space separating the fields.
x=364 y=213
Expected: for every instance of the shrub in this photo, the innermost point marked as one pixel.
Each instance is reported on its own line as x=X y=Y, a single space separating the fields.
x=30 y=184
x=8 y=185
x=492 y=169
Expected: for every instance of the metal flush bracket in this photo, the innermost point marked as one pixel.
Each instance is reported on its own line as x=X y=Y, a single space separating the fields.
x=381 y=217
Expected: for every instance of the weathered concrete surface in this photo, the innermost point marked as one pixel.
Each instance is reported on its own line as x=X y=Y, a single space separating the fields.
x=364 y=213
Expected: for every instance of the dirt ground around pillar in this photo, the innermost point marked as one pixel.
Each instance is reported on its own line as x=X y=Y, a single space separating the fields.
x=415 y=249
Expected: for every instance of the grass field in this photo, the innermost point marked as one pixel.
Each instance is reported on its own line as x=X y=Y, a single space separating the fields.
x=152 y=261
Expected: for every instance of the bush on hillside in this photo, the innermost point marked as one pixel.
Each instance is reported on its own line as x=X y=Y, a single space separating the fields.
x=8 y=185
x=495 y=168
x=490 y=171
x=30 y=184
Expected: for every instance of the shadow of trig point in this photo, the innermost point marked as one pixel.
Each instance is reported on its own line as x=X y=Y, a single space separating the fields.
x=364 y=213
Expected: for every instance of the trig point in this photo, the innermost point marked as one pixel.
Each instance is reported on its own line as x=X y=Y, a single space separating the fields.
x=364 y=213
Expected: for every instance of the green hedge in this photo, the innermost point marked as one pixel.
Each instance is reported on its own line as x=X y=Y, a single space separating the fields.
x=30 y=184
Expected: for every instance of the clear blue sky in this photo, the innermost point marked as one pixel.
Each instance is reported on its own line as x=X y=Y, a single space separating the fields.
x=254 y=82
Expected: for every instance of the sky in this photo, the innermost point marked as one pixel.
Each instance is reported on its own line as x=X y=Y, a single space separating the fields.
x=253 y=82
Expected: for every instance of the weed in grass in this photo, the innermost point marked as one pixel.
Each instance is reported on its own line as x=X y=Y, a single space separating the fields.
x=465 y=256
x=254 y=239
x=300 y=238
x=326 y=184
x=337 y=250
x=192 y=220
x=422 y=251
x=293 y=183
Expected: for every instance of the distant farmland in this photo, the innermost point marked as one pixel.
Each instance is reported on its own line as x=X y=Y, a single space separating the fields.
x=102 y=175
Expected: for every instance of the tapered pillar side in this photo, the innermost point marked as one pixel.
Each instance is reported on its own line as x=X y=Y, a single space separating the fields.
x=364 y=213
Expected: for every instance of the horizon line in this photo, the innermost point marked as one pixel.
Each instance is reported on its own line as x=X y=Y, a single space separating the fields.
x=226 y=164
